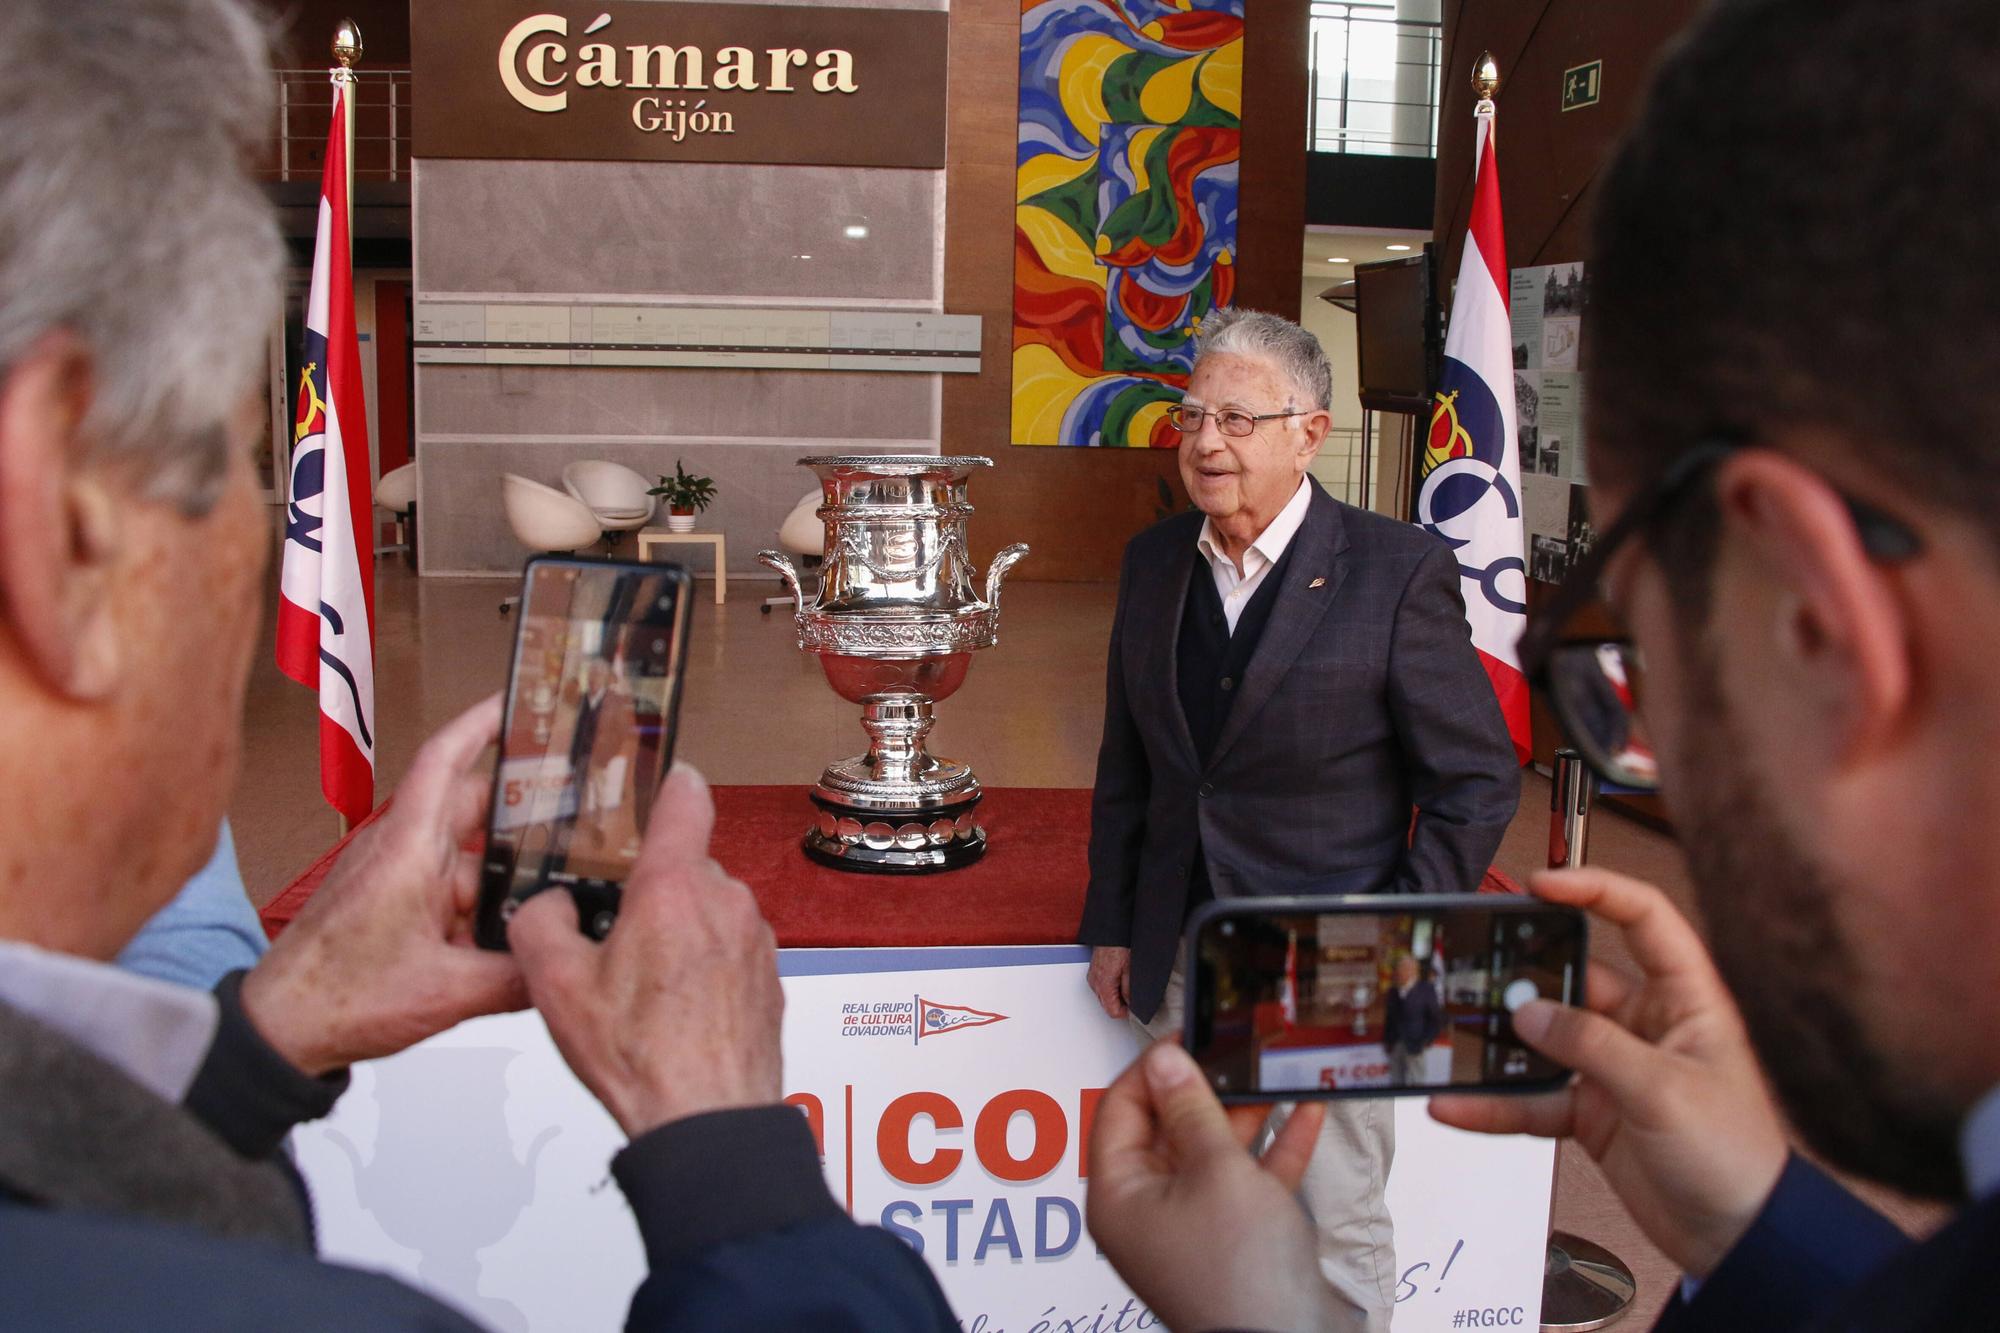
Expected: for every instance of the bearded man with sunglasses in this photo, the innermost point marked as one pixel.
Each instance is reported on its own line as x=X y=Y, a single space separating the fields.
x=1795 y=451
x=1291 y=679
x=1802 y=477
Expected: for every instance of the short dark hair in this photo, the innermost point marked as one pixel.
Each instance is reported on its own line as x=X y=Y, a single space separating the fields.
x=1798 y=231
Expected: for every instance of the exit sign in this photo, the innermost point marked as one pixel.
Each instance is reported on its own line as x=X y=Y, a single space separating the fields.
x=1582 y=85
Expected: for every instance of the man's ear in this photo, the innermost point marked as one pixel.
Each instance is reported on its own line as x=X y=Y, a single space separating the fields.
x=1313 y=428
x=1838 y=622
x=58 y=524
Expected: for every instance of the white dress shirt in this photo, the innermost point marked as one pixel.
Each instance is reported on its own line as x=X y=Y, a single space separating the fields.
x=1979 y=1147
x=1237 y=587
x=157 y=1033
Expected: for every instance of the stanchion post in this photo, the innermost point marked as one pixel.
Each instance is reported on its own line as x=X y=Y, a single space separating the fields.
x=1570 y=797
x=1584 y=1285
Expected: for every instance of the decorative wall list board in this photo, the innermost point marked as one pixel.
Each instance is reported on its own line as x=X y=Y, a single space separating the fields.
x=1546 y=306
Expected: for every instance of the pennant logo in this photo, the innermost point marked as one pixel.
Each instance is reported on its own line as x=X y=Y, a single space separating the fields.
x=934 y=1019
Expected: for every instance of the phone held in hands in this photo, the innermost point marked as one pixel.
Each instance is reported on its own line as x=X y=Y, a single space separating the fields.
x=1299 y=998
x=593 y=699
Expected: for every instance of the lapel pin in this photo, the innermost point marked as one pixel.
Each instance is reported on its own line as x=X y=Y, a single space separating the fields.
x=1317 y=583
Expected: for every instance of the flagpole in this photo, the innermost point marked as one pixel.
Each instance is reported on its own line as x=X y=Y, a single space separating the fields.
x=347 y=53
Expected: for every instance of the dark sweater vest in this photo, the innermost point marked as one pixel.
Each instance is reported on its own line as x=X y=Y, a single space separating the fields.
x=1210 y=662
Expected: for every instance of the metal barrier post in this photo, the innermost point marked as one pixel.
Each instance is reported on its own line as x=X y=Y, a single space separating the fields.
x=1570 y=796
x=1584 y=1285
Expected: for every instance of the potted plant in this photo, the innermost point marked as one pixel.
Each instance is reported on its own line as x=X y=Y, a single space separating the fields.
x=686 y=496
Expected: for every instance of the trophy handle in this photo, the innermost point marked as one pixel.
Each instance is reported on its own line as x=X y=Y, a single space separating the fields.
x=997 y=571
x=781 y=562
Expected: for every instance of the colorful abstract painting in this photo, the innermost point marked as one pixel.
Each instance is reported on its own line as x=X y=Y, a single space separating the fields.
x=1125 y=210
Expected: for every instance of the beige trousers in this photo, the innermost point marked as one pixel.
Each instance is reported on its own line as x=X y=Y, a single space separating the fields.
x=1343 y=1189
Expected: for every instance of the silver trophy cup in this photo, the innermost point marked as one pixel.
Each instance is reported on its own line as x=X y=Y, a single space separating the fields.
x=894 y=625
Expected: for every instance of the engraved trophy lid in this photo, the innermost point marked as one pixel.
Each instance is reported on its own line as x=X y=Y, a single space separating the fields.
x=896 y=464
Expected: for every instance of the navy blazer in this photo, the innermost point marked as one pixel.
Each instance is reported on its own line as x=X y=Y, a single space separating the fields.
x=1363 y=702
x=1412 y=1021
x=1819 y=1259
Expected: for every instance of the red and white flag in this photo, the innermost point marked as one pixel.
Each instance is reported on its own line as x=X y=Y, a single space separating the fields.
x=326 y=587
x=1469 y=479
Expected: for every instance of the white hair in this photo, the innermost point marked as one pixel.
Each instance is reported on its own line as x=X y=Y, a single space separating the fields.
x=1295 y=353
x=126 y=219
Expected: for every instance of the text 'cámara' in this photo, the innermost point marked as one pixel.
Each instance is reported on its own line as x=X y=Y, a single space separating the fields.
x=538 y=66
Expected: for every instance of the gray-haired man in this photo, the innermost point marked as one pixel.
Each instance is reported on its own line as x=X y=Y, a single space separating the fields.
x=141 y=1182
x=1290 y=679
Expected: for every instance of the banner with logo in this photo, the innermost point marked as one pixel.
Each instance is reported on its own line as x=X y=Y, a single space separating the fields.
x=952 y=1092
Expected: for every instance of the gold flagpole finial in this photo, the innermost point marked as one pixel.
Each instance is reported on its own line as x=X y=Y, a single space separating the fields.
x=1486 y=76
x=347 y=44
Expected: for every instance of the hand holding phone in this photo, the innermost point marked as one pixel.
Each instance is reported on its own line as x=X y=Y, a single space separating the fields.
x=378 y=959
x=678 y=1012
x=1297 y=998
x=1668 y=1099
x=1169 y=1172
x=593 y=698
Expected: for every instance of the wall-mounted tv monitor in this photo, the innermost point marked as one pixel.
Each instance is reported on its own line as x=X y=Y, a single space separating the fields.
x=1397 y=341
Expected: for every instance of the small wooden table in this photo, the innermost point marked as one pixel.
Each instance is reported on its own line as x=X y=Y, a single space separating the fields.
x=650 y=537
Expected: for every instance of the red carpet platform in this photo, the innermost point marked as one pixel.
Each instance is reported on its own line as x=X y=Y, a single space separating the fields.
x=1028 y=889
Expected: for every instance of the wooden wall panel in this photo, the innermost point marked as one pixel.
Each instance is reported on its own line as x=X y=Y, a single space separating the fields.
x=1270 y=224
x=305 y=31
x=1549 y=158
x=1078 y=507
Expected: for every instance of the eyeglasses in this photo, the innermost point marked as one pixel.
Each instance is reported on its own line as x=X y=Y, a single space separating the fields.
x=1595 y=683
x=1187 y=420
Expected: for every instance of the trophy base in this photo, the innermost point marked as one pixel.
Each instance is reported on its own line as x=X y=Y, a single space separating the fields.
x=874 y=840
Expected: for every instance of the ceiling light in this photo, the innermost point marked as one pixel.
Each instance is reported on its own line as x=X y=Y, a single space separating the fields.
x=802 y=256
x=1339 y=259
x=1396 y=247
x=855 y=231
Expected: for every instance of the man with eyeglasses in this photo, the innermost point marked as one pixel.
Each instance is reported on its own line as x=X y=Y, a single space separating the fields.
x=1796 y=455
x=1293 y=705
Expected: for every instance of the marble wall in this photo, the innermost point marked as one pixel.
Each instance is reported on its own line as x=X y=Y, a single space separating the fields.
x=693 y=233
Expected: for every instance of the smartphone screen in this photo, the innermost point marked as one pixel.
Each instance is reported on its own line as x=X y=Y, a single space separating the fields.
x=599 y=651
x=1302 y=997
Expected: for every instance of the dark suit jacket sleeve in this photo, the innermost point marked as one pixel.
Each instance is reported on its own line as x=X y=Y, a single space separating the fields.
x=1464 y=779
x=1118 y=800
x=245 y=1092
x=1812 y=1242
x=741 y=1233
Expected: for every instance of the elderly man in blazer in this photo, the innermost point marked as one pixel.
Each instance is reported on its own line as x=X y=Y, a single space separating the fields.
x=1293 y=705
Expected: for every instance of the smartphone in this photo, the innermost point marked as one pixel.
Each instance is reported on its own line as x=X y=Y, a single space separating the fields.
x=593 y=699
x=1299 y=998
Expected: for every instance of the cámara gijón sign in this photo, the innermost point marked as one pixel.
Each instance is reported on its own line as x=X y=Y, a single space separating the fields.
x=789 y=84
